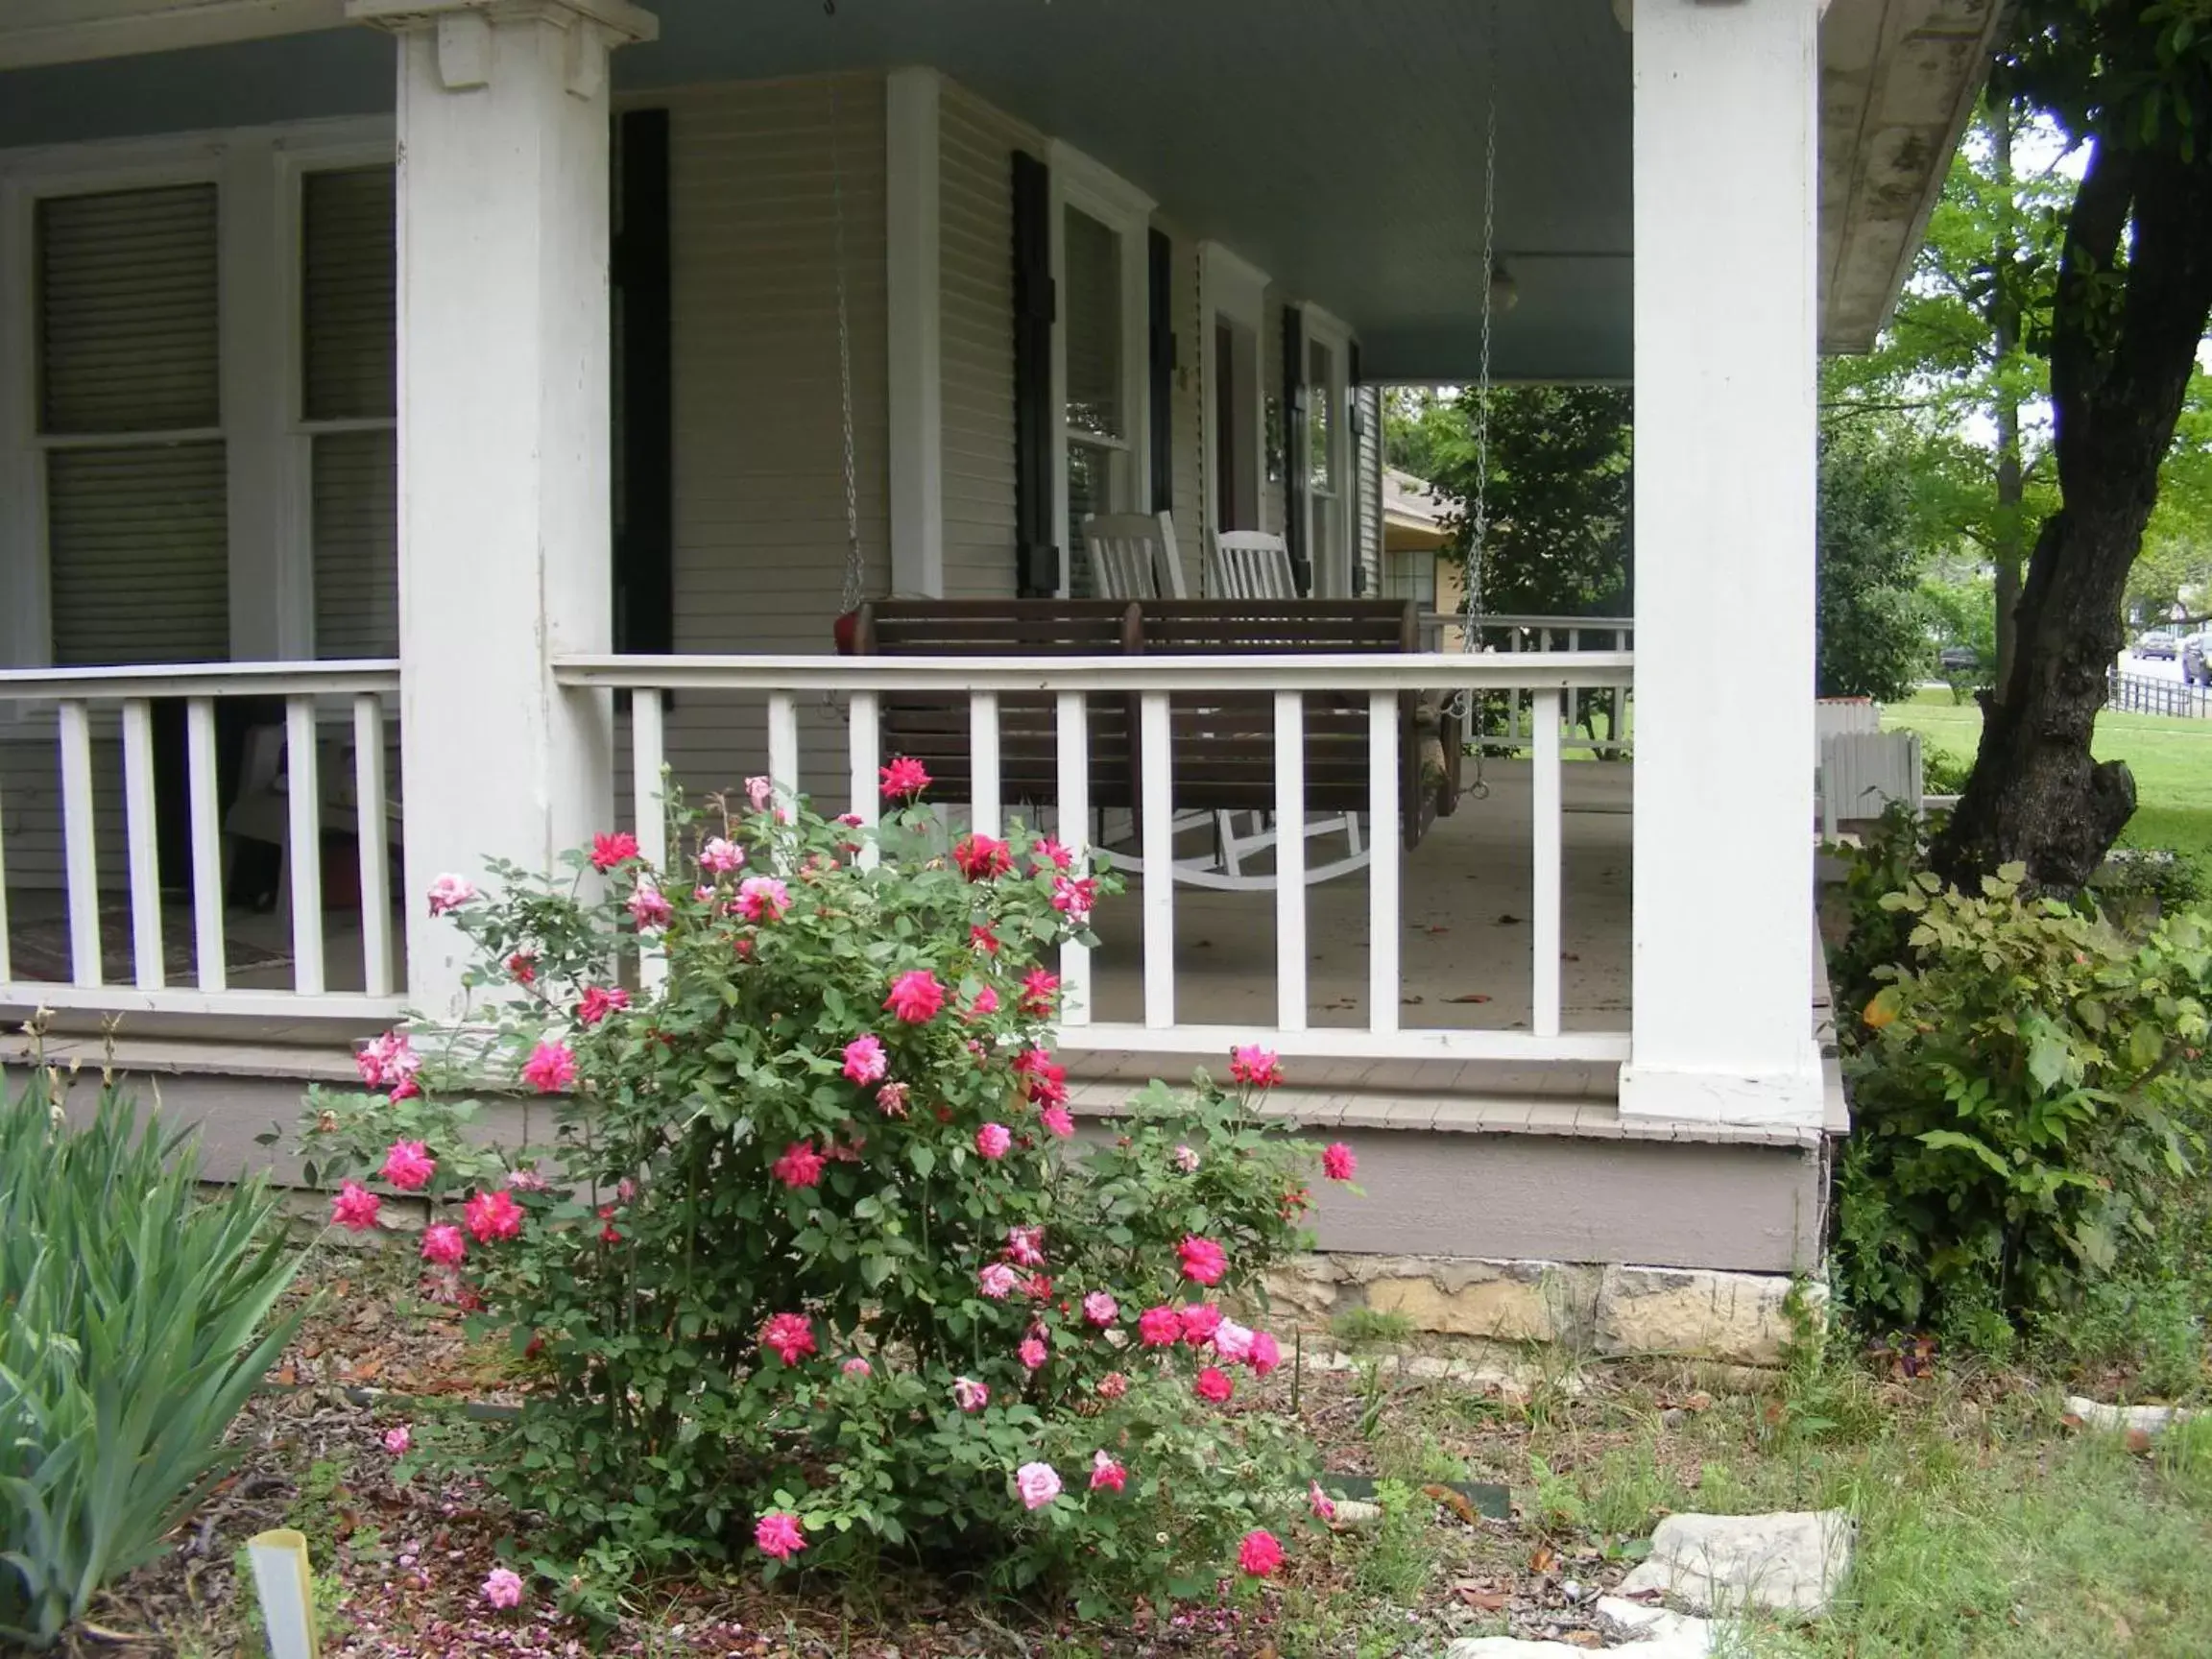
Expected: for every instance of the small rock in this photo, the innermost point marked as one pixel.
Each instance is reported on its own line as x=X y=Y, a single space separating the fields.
x=1660 y=1635
x=2147 y=1419
x=1789 y=1562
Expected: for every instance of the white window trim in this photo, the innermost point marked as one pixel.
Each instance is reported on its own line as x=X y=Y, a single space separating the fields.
x=1082 y=184
x=1335 y=579
x=1233 y=289
x=255 y=170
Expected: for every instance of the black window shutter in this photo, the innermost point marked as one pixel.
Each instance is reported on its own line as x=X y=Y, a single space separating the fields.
x=1160 y=255
x=1355 y=423
x=1294 y=473
x=1036 y=555
x=644 y=559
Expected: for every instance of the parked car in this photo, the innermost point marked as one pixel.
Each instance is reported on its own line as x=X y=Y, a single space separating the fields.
x=2158 y=642
x=1958 y=658
x=2196 y=659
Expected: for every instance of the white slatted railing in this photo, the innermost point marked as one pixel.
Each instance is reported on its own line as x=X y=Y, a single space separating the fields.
x=66 y=711
x=1546 y=679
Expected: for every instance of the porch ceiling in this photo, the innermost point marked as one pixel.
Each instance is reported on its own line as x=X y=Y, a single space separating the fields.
x=1335 y=143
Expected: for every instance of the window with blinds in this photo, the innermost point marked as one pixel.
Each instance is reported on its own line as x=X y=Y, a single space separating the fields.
x=348 y=401
x=128 y=401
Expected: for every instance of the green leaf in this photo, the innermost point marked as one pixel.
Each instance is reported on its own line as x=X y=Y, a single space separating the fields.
x=1952 y=1140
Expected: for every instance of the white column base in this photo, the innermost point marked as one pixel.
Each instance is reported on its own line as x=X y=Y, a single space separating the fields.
x=1795 y=1098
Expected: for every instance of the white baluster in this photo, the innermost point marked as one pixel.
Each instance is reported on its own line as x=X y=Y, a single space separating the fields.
x=144 y=850
x=1156 y=778
x=784 y=746
x=370 y=831
x=864 y=743
x=649 y=809
x=1073 y=751
x=983 y=762
x=1545 y=897
x=203 y=788
x=1290 y=860
x=81 y=852
x=1383 y=734
x=304 y=856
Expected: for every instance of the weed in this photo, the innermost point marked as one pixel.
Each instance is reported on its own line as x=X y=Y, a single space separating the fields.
x=1398 y=1559
x=1371 y=1328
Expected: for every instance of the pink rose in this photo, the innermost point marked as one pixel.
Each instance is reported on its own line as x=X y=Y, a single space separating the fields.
x=763 y=899
x=969 y=1395
x=891 y=1100
x=1113 y=1385
x=915 y=996
x=1259 y=1555
x=1057 y=1119
x=1187 y=1160
x=551 y=1066
x=865 y=1061
x=1338 y=1161
x=1159 y=1328
x=759 y=791
x=443 y=1244
x=800 y=1166
x=1107 y=1474
x=353 y=1207
x=1204 y=1261
x=1046 y=850
x=1233 y=1341
x=789 y=1336
x=1198 y=1322
x=1265 y=1356
x=389 y=1059
x=1073 y=897
x=408 y=1166
x=1319 y=1502
x=1213 y=1386
x=981 y=857
x=1025 y=1245
x=993 y=1140
x=609 y=851
x=647 y=907
x=398 y=1441
x=1038 y=990
x=492 y=1215
x=1033 y=1353
x=1037 y=1483
x=856 y=1367
x=998 y=1281
x=450 y=892
x=904 y=779
x=1100 y=1309
x=1255 y=1066
x=503 y=1587
x=720 y=856
x=981 y=938
x=778 y=1533
x=986 y=1003
x=598 y=1001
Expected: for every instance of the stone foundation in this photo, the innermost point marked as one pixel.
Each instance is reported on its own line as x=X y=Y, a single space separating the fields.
x=1608 y=1311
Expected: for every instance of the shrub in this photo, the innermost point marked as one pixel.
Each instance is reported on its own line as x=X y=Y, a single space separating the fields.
x=814 y=1266
x=2025 y=1079
x=137 y=1321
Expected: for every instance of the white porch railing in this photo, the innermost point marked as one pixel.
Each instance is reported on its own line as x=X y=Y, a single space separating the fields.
x=1546 y=679
x=1511 y=728
x=57 y=708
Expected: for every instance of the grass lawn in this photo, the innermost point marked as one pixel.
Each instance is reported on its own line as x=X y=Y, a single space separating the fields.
x=2172 y=760
x=1986 y=1527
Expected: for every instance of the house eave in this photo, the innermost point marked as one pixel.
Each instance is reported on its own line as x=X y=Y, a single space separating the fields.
x=1899 y=80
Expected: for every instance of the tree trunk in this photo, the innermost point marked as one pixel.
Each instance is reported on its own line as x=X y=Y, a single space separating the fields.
x=2125 y=330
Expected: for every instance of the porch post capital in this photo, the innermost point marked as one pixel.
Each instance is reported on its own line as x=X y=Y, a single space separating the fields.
x=465 y=28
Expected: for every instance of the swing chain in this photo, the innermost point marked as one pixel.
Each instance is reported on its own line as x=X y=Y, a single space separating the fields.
x=1466 y=702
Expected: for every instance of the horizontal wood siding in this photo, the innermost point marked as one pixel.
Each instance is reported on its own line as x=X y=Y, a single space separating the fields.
x=976 y=148
x=761 y=535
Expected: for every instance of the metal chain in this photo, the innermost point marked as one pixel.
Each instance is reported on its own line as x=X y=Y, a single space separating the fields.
x=1478 y=528
x=856 y=570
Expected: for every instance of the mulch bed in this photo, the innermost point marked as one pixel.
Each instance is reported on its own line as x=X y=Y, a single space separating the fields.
x=402 y=1566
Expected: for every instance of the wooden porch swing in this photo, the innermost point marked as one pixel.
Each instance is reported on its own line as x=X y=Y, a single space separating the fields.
x=1223 y=743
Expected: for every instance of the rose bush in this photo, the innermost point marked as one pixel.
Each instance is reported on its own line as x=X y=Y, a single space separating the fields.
x=810 y=1266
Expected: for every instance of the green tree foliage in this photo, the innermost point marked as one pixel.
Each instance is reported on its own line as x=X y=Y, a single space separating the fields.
x=1559 y=490
x=1875 y=638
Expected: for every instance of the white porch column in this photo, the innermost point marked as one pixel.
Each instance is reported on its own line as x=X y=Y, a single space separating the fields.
x=912 y=250
x=1725 y=192
x=504 y=534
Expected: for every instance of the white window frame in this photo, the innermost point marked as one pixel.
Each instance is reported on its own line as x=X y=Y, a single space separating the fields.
x=1233 y=290
x=1332 y=577
x=1083 y=184
x=256 y=174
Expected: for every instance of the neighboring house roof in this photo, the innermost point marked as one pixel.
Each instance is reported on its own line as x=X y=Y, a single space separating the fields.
x=1415 y=513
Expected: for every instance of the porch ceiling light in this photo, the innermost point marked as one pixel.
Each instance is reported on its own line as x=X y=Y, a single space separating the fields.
x=1504 y=292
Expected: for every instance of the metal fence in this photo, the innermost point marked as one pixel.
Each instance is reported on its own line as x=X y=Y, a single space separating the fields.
x=2143 y=694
